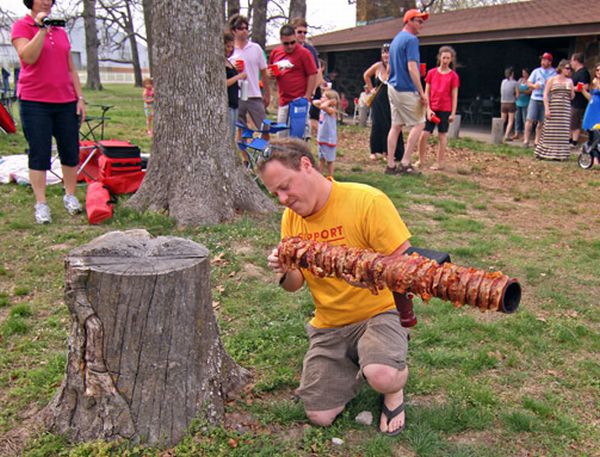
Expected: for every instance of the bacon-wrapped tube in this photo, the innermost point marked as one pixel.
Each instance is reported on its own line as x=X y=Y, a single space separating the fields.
x=408 y=273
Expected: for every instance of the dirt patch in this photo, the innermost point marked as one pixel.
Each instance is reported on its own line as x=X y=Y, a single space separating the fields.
x=251 y=271
x=12 y=443
x=242 y=248
x=527 y=194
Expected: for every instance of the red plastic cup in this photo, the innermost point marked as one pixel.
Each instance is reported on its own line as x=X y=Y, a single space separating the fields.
x=579 y=87
x=239 y=65
x=275 y=70
x=435 y=119
x=423 y=69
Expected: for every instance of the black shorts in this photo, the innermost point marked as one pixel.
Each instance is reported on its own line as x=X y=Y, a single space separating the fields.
x=313 y=112
x=444 y=124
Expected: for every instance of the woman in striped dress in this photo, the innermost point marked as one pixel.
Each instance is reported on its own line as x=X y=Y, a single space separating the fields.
x=554 y=142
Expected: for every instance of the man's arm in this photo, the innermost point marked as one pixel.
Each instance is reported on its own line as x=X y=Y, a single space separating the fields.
x=310 y=86
x=415 y=76
x=266 y=89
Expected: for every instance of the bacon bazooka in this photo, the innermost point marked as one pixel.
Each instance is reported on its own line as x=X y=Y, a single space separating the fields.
x=413 y=273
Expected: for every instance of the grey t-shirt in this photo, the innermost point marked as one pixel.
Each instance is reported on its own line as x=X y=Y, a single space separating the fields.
x=507 y=91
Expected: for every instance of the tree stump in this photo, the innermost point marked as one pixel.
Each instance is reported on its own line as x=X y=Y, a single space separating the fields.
x=497 y=130
x=145 y=356
x=454 y=129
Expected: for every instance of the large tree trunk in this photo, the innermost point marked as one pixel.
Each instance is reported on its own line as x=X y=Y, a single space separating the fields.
x=145 y=356
x=91 y=45
x=147 y=7
x=259 y=22
x=194 y=172
x=135 y=56
x=297 y=9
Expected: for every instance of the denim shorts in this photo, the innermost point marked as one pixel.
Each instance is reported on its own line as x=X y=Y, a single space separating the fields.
x=42 y=121
x=535 y=111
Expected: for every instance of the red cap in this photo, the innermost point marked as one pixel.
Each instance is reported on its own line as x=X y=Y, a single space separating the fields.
x=547 y=56
x=411 y=14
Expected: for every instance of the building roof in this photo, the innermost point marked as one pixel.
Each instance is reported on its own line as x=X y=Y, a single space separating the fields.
x=520 y=20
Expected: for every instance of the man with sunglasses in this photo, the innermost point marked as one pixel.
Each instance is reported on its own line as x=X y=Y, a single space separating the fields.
x=255 y=66
x=354 y=335
x=295 y=72
x=408 y=100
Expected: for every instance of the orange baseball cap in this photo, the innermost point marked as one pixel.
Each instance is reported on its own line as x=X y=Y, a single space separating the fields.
x=411 y=14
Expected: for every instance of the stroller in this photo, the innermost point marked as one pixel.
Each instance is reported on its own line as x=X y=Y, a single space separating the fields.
x=590 y=149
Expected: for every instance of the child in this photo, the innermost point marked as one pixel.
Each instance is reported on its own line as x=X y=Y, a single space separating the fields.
x=148 y=95
x=442 y=92
x=326 y=133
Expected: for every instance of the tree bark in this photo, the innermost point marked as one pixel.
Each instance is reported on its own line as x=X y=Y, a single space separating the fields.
x=259 y=22
x=145 y=356
x=194 y=172
x=297 y=9
x=91 y=45
x=233 y=7
x=147 y=7
x=135 y=56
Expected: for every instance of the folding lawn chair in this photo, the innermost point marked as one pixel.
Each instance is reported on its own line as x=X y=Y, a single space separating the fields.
x=298 y=117
x=94 y=123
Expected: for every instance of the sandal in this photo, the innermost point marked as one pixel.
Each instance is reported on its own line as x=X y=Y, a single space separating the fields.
x=436 y=167
x=389 y=414
x=408 y=170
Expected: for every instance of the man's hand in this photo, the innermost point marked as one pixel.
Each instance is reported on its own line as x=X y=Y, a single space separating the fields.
x=291 y=280
x=274 y=263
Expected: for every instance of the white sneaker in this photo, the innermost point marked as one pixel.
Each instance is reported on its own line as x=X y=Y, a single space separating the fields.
x=72 y=205
x=42 y=213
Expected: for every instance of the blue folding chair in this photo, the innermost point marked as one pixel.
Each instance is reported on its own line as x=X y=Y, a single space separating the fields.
x=297 y=117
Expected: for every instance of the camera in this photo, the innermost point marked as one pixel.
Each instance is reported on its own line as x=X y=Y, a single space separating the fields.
x=47 y=22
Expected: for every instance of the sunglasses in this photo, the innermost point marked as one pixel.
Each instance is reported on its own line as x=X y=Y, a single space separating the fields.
x=266 y=153
x=568 y=68
x=243 y=27
x=301 y=32
x=418 y=21
x=288 y=43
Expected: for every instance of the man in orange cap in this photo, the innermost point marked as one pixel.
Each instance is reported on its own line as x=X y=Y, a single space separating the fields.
x=407 y=97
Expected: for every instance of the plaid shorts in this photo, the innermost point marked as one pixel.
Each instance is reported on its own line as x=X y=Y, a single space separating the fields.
x=332 y=371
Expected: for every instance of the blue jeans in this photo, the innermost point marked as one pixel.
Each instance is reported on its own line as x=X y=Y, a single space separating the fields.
x=41 y=121
x=232 y=114
x=520 y=118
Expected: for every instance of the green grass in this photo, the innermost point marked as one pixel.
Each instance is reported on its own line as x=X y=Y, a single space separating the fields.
x=481 y=385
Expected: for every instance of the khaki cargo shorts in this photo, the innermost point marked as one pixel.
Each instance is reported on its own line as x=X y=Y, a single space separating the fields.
x=332 y=371
x=406 y=108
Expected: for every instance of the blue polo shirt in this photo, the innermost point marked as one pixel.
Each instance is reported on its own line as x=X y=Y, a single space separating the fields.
x=404 y=49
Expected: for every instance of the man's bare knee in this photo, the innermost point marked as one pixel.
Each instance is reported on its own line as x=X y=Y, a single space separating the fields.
x=324 y=418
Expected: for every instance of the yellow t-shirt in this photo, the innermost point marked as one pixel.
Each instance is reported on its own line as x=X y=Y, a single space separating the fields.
x=355 y=215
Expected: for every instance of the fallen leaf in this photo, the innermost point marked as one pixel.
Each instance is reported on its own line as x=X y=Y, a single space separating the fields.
x=218 y=258
x=216 y=304
x=220 y=288
x=232 y=443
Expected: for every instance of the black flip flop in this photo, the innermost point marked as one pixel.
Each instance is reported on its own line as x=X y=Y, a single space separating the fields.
x=391 y=415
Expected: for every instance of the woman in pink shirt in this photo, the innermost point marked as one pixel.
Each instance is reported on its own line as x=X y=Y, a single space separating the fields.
x=442 y=92
x=51 y=103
